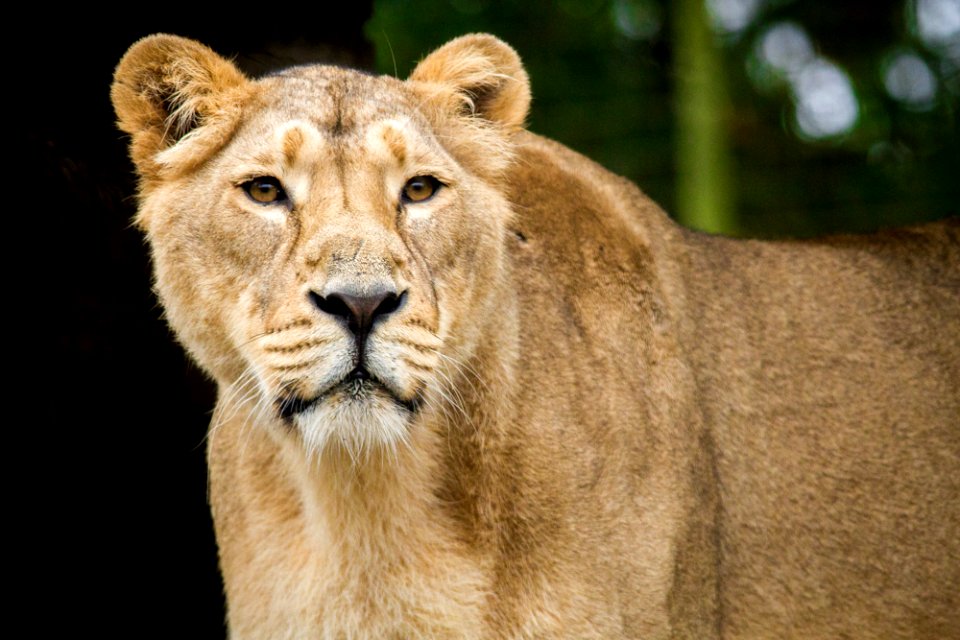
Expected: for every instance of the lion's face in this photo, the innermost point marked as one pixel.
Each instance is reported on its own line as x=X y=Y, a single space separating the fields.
x=323 y=250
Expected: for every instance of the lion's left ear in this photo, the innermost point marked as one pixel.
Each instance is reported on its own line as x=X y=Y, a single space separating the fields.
x=485 y=72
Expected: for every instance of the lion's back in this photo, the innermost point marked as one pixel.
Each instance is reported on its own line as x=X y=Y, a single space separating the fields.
x=826 y=373
x=830 y=373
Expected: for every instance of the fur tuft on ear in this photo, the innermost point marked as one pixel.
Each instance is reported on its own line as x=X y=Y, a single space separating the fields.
x=167 y=89
x=486 y=73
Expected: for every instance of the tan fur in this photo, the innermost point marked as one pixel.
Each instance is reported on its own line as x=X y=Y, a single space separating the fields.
x=592 y=423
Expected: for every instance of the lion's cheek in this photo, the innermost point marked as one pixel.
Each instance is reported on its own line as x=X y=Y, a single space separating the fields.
x=246 y=251
x=461 y=292
x=464 y=258
x=202 y=288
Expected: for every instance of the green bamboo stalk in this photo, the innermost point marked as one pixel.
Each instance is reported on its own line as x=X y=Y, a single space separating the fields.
x=705 y=192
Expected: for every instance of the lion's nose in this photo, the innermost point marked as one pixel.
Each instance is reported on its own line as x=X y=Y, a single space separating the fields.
x=359 y=311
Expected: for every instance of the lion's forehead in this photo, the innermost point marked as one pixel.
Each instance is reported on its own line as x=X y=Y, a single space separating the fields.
x=341 y=104
x=315 y=121
x=393 y=140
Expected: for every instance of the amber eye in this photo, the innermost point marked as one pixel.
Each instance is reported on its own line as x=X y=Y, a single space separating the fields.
x=420 y=188
x=264 y=190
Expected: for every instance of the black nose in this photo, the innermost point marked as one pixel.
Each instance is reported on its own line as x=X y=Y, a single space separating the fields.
x=360 y=312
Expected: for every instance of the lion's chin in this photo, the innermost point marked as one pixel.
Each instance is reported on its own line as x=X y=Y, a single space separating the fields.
x=357 y=421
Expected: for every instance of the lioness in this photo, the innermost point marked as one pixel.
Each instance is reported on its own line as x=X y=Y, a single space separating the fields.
x=472 y=385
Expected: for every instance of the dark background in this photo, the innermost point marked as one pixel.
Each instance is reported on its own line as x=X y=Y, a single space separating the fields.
x=120 y=539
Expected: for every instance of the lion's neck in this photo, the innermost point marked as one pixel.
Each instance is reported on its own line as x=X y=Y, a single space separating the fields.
x=359 y=545
x=373 y=501
x=385 y=532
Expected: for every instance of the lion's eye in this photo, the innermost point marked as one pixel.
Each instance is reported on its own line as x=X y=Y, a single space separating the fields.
x=420 y=189
x=264 y=190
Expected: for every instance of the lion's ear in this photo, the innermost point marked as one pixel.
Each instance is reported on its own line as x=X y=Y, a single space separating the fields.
x=485 y=72
x=167 y=89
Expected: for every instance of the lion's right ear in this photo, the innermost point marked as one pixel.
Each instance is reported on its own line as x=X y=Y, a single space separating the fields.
x=169 y=90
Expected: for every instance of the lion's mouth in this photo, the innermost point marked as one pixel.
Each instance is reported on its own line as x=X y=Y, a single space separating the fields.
x=356 y=386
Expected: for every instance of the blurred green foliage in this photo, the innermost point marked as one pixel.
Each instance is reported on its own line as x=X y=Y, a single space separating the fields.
x=878 y=147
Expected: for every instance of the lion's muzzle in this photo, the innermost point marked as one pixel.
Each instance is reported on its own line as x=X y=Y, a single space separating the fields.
x=359 y=312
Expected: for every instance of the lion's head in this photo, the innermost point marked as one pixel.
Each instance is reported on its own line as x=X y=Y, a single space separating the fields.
x=326 y=243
